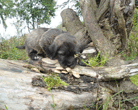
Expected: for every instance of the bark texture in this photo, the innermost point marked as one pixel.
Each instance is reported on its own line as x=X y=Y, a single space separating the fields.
x=71 y=21
x=107 y=22
x=101 y=73
x=17 y=92
x=88 y=8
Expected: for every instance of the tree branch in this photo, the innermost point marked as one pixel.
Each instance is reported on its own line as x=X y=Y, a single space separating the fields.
x=128 y=13
x=121 y=23
x=102 y=10
x=98 y=38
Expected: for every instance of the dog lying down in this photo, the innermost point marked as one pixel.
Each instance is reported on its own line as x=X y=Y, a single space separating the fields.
x=52 y=43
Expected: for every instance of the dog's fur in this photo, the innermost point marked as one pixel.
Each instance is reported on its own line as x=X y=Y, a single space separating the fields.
x=52 y=43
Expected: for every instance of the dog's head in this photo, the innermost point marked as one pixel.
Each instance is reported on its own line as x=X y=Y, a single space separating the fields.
x=64 y=51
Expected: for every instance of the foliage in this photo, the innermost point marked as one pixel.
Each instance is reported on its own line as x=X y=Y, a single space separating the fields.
x=132 y=51
x=96 y=61
x=134 y=79
x=74 y=4
x=60 y=27
x=54 y=80
x=135 y=20
x=134 y=108
x=9 y=51
x=36 y=12
x=6 y=10
x=118 y=102
x=33 y=12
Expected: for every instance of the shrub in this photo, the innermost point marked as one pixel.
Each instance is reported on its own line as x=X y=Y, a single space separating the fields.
x=9 y=51
x=132 y=50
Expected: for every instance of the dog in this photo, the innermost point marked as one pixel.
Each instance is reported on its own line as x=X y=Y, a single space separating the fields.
x=52 y=43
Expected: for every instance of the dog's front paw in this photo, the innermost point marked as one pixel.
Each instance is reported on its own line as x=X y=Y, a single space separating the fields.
x=37 y=58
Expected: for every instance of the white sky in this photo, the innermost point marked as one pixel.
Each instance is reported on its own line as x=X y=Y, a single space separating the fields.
x=12 y=31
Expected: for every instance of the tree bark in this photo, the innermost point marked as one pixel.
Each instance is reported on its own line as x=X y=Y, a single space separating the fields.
x=107 y=22
x=71 y=21
x=101 y=73
x=95 y=32
x=17 y=92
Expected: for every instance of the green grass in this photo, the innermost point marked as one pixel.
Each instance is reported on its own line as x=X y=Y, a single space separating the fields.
x=53 y=105
x=132 y=50
x=96 y=61
x=9 y=51
x=134 y=108
x=6 y=107
x=134 y=79
x=53 y=80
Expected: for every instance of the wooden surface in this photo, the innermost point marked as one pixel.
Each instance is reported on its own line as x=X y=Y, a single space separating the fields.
x=17 y=92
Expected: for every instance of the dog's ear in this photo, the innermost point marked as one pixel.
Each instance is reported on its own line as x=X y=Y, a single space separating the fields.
x=53 y=48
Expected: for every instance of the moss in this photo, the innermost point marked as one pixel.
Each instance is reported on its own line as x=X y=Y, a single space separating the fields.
x=53 y=80
x=134 y=79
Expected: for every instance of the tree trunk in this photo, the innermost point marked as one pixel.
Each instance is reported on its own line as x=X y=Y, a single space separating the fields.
x=101 y=42
x=107 y=22
x=71 y=21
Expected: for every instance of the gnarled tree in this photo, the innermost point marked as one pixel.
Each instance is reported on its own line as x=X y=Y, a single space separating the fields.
x=106 y=22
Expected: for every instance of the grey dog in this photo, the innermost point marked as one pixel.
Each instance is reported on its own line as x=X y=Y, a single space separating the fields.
x=52 y=43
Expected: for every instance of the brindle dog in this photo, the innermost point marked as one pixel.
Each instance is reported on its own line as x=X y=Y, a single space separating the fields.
x=52 y=43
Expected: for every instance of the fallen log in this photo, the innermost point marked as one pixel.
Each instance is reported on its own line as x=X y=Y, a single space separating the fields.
x=101 y=73
x=17 y=92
